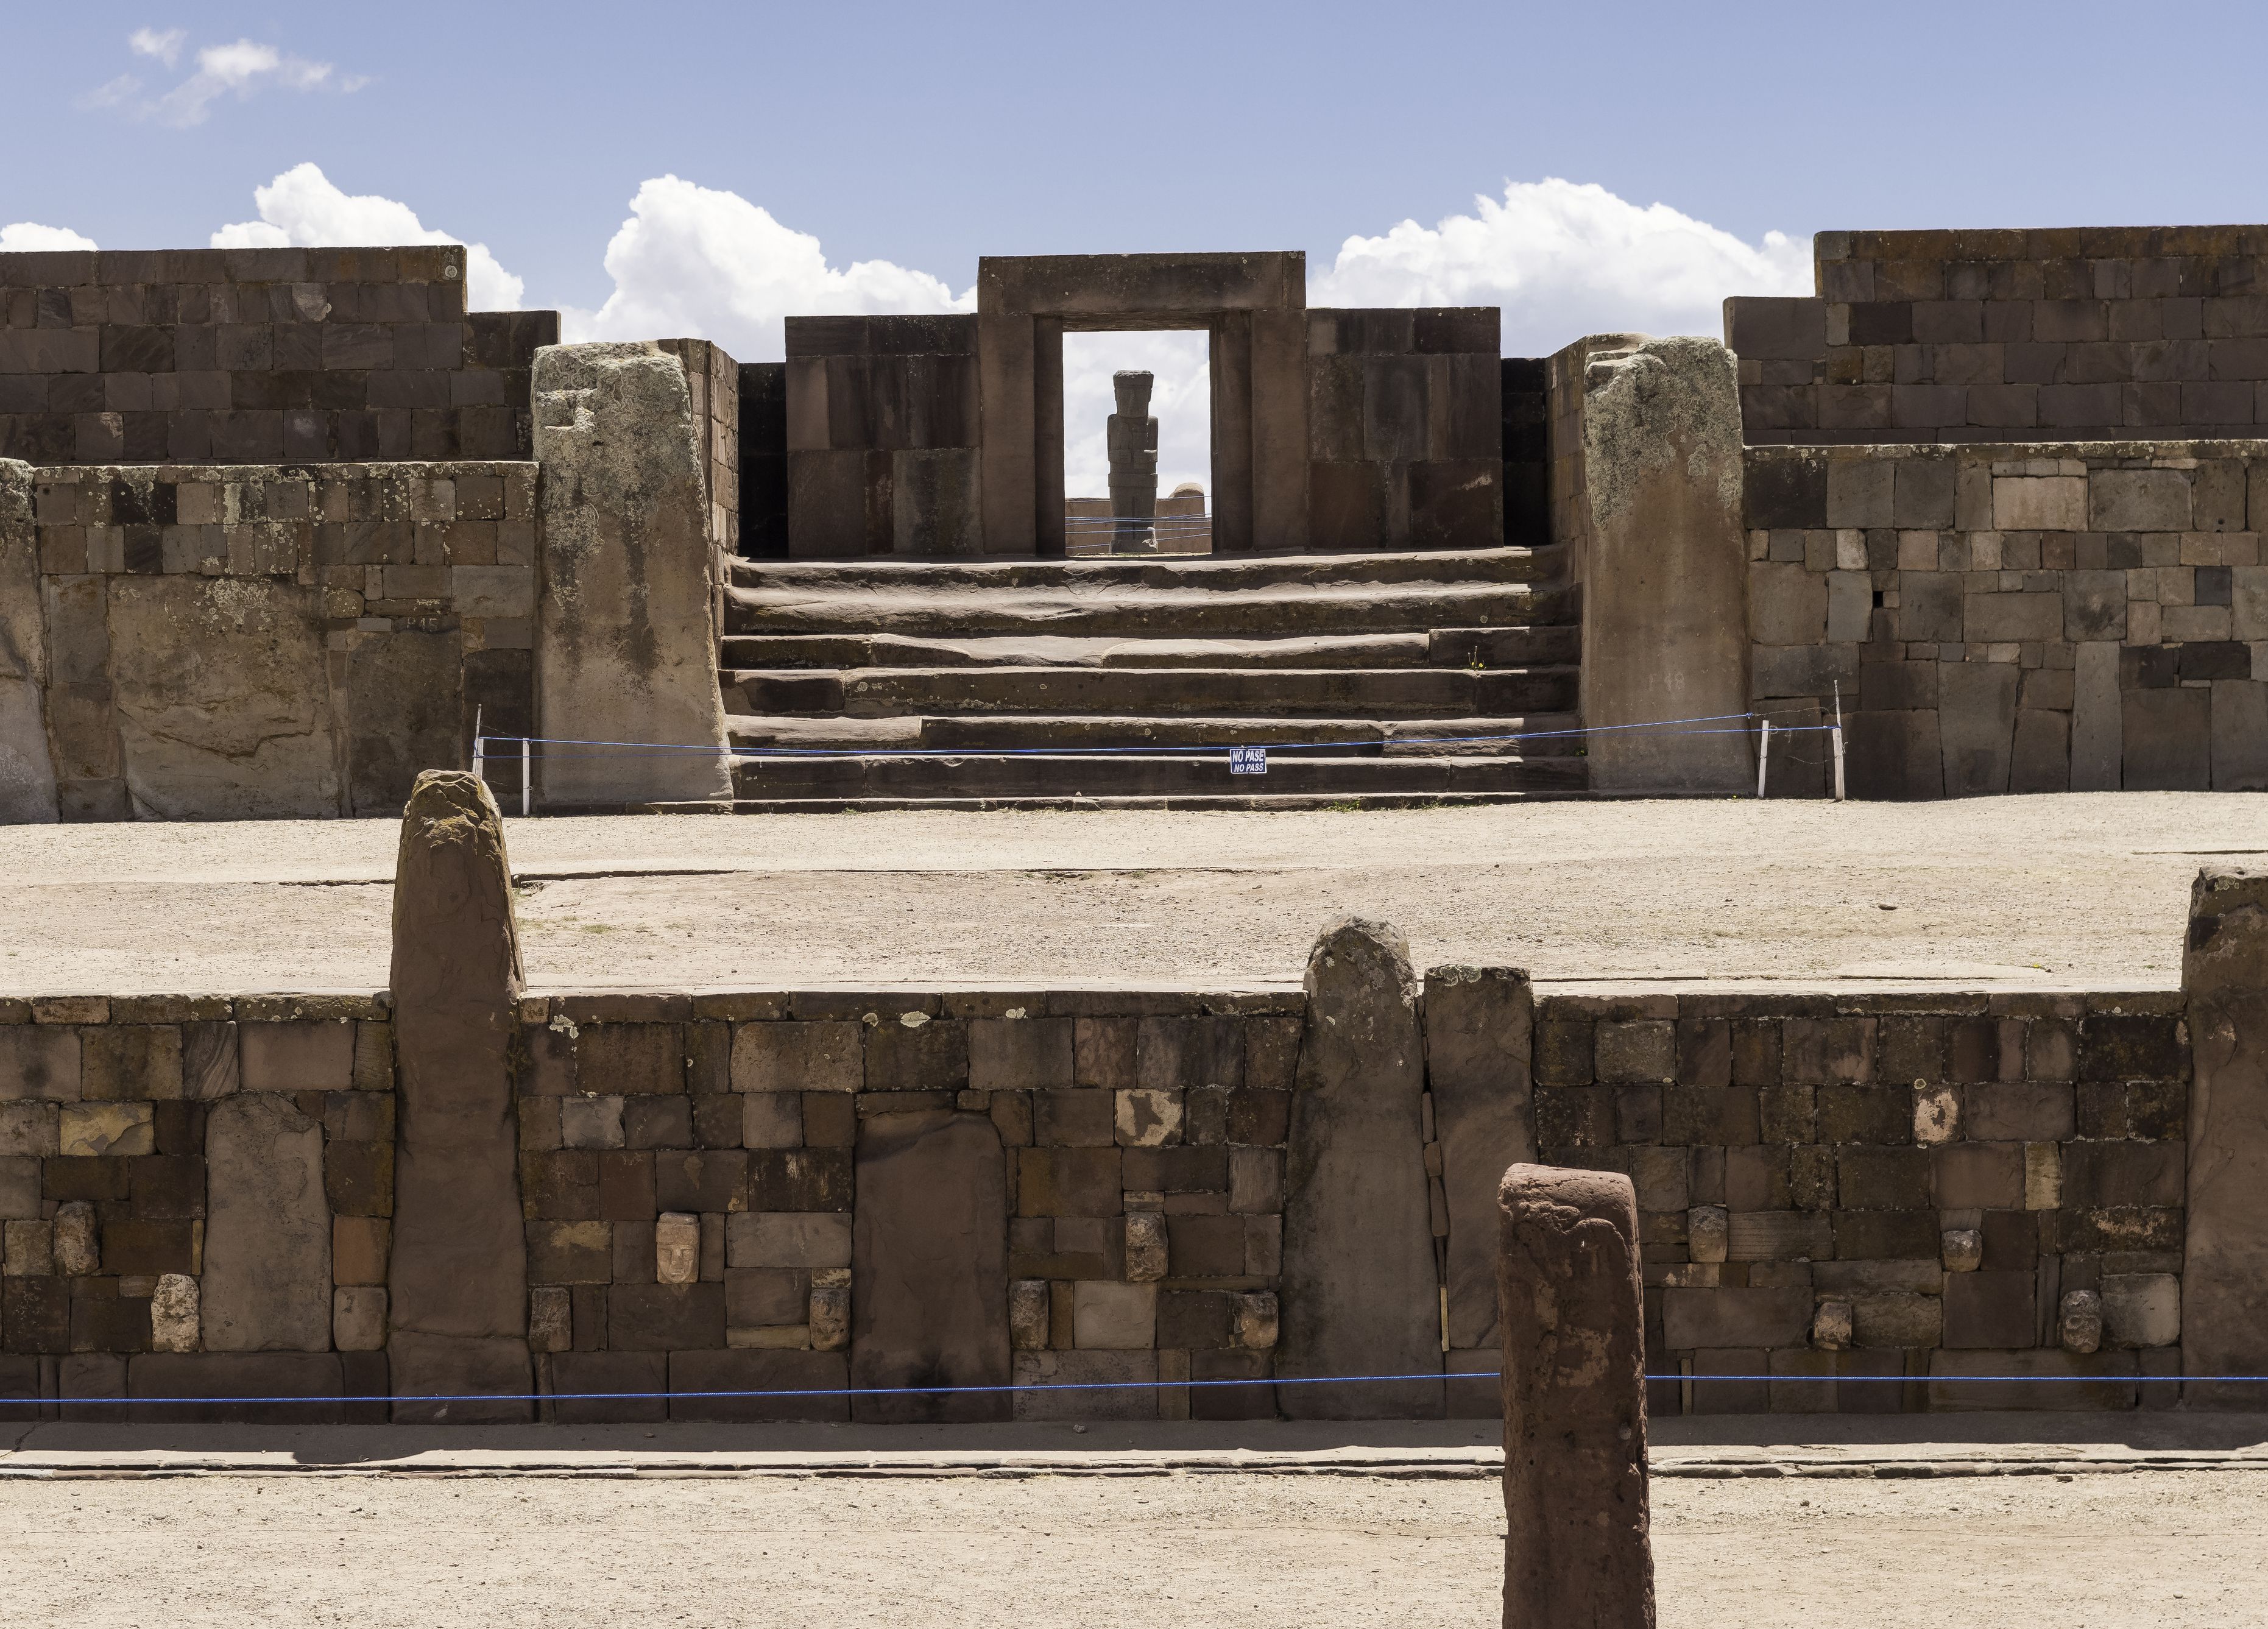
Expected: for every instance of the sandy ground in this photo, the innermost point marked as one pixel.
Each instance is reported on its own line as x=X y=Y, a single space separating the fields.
x=2098 y=1551
x=2084 y=891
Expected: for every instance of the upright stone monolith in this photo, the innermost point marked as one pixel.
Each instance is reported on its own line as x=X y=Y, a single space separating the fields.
x=457 y=1281
x=1130 y=436
x=1359 y=1293
x=2225 y=1264
x=1576 y=1550
x=625 y=647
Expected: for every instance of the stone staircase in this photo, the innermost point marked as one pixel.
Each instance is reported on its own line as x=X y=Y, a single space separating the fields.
x=972 y=684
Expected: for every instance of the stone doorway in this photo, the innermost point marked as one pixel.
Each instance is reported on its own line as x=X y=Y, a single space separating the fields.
x=1139 y=482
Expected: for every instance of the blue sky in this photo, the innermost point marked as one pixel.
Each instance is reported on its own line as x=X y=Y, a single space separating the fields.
x=919 y=138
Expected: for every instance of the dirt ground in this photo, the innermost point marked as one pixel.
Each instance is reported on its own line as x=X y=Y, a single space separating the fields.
x=2066 y=892
x=2097 y=1551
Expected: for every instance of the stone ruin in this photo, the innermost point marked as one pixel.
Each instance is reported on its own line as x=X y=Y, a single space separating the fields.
x=280 y=525
x=1131 y=440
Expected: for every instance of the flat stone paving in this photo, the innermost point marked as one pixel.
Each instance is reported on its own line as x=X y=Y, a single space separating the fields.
x=2072 y=892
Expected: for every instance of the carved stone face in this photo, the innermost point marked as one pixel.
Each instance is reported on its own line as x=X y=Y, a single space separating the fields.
x=1133 y=388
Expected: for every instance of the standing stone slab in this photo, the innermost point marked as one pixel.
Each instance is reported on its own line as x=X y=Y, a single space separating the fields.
x=2225 y=1266
x=27 y=776
x=1360 y=1294
x=1664 y=571
x=1478 y=1024
x=1577 y=1552
x=625 y=646
x=267 y=1282
x=928 y=1265
x=457 y=1278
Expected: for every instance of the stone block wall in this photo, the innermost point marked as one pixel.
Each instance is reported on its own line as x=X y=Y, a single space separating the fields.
x=259 y=357
x=1405 y=429
x=2017 y=619
x=1868 y=1188
x=196 y=1197
x=2085 y=333
x=234 y=642
x=690 y=1173
x=882 y=447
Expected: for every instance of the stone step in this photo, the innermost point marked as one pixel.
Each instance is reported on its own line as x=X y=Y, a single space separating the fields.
x=1440 y=647
x=1268 y=692
x=1178 y=610
x=1535 y=735
x=1217 y=573
x=982 y=775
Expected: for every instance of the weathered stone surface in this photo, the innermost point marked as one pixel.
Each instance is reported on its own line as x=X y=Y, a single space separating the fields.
x=2141 y=1309
x=174 y=1319
x=223 y=712
x=217 y=1378
x=1666 y=562
x=2224 y=1267
x=358 y=1317
x=830 y=1309
x=77 y=1248
x=267 y=1283
x=1577 y=1549
x=1360 y=1296
x=1087 y=1385
x=677 y=1248
x=27 y=777
x=782 y=1374
x=457 y=1281
x=625 y=647
x=930 y=1262
x=1478 y=1026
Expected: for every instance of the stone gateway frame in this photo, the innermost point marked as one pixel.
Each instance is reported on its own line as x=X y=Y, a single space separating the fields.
x=1253 y=308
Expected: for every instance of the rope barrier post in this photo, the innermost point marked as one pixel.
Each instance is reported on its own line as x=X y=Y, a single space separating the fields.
x=525 y=747
x=479 y=772
x=1838 y=763
x=1764 y=755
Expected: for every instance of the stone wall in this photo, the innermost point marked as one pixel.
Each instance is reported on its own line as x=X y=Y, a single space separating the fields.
x=195 y=1199
x=883 y=448
x=689 y=1167
x=258 y=357
x=2020 y=619
x=2085 y=333
x=1405 y=429
x=746 y=1191
x=237 y=641
x=1886 y=1186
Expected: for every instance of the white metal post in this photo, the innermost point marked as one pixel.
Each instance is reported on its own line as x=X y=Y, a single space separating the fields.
x=1763 y=756
x=524 y=795
x=1839 y=764
x=478 y=742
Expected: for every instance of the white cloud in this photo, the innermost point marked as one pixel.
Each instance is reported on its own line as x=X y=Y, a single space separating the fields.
x=165 y=45
x=1564 y=261
x=693 y=262
x=240 y=69
x=301 y=207
x=29 y=237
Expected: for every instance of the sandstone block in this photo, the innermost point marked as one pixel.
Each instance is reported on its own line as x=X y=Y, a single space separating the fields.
x=1148 y=1118
x=1086 y=1385
x=551 y=1319
x=2141 y=1309
x=799 y=1056
x=1478 y=1025
x=746 y=1386
x=92 y=1129
x=266 y=1285
x=30 y=1250
x=1734 y=1317
x=624 y=647
x=1899 y=1318
x=930 y=1257
x=358 y=1317
x=1115 y=1316
x=804 y=1241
